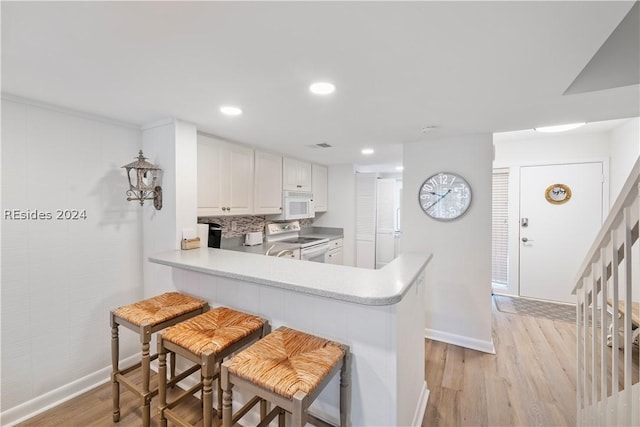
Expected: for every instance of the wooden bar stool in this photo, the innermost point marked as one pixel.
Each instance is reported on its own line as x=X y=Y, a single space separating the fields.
x=206 y=340
x=289 y=369
x=146 y=317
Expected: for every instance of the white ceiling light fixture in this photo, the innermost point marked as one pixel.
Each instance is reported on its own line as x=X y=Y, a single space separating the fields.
x=399 y=168
x=559 y=128
x=367 y=151
x=230 y=110
x=322 y=88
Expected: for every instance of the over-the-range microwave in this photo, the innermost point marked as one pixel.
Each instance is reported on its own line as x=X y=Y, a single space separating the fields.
x=296 y=205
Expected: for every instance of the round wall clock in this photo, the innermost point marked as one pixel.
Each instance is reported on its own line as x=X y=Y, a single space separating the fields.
x=444 y=196
x=557 y=193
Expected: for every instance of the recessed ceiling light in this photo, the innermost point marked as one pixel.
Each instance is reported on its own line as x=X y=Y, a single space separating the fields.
x=230 y=110
x=367 y=151
x=559 y=128
x=399 y=168
x=322 y=88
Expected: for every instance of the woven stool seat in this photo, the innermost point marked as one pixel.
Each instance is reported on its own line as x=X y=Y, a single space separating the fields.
x=206 y=339
x=289 y=369
x=287 y=361
x=158 y=309
x=213 y=331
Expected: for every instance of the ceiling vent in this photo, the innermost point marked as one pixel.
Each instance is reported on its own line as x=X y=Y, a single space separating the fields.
x=321 y=145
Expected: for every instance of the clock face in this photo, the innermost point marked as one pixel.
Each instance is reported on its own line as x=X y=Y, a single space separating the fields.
x=444 y=196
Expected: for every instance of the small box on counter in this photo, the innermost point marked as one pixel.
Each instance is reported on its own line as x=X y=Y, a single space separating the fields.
x=190 y=243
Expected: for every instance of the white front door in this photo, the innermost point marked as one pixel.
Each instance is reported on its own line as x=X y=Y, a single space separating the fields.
x=554 y=238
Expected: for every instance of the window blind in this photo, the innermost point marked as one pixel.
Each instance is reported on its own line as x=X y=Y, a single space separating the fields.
x=500 y=229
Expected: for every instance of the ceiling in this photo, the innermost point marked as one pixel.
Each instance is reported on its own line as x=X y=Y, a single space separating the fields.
x=398 y=67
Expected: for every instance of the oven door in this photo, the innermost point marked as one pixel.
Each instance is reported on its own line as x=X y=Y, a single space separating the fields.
x=317 y=253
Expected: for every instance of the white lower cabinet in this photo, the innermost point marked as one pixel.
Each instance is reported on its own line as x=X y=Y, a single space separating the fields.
x=334 y=255
x=225 y=178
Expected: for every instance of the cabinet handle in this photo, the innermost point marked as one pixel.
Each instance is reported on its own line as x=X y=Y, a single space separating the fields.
x=299 y=186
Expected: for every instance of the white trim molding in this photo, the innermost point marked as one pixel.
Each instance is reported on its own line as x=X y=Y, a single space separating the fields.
x=459 y=340
x=53 y=398
x=422 y=406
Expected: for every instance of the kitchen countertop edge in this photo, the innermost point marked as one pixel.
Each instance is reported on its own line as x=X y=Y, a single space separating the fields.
x=386 y=286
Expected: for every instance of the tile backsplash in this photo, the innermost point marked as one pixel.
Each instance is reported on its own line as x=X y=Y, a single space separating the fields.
x=244 y=224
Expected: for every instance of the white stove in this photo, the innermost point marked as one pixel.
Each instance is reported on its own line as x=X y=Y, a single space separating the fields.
x=283 y=239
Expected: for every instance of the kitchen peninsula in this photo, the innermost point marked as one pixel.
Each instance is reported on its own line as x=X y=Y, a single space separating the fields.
x=378 y=313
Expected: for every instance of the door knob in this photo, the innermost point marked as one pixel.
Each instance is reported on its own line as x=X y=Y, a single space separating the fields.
x=525 y=240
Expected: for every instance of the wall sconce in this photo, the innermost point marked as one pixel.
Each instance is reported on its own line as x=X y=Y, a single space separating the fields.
x=143 y=184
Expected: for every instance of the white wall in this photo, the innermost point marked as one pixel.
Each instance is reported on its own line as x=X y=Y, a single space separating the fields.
x=170 y=145
x=342 y=207
x=60 y=278
x=624 y=147
x=458 y=302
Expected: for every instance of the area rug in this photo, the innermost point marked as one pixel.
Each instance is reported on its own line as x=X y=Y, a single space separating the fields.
x=528 y=307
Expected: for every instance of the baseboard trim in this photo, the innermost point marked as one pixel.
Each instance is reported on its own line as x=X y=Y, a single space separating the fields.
x=422 y=406
x=55 y=397
x=459 y=340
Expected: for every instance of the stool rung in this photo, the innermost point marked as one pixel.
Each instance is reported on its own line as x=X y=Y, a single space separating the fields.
x=184 y=395
x=128 y=369
x=246 y=408
x=133 y=387
x=270 y=417
x=319 y=422
x=175 y=380
x=175 y=419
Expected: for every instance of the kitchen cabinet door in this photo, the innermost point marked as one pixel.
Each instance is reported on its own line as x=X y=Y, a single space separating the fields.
x=237 y=179
x=267 y=183
x=335 y=252
x=225 y=178
x=296 y=175
x=209 y=176
x=319 y=183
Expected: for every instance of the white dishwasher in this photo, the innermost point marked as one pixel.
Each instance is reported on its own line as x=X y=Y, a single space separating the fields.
x=334 y=256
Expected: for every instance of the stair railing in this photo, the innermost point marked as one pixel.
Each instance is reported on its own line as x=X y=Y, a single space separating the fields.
x=608 y=390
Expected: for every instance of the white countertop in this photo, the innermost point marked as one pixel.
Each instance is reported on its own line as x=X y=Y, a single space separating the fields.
x=357 y=285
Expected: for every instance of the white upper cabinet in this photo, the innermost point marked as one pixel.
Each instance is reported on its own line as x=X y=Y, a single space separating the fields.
x=225 y=178
x=267 y=183
x=319 y=176
x=209 y=176
x=296 y=175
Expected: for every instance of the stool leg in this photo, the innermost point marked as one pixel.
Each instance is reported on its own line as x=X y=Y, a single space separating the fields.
x=227 y=395
x=172 y=361
x=281 y=418
x=263 y=409
x=345 y=388
x=146 y=373
x=299 y=413
x=162 y=381
x=115 y=385
x=208 y=371
x=219 y=408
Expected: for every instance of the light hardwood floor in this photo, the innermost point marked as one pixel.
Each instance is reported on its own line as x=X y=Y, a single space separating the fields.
x=530 y=381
